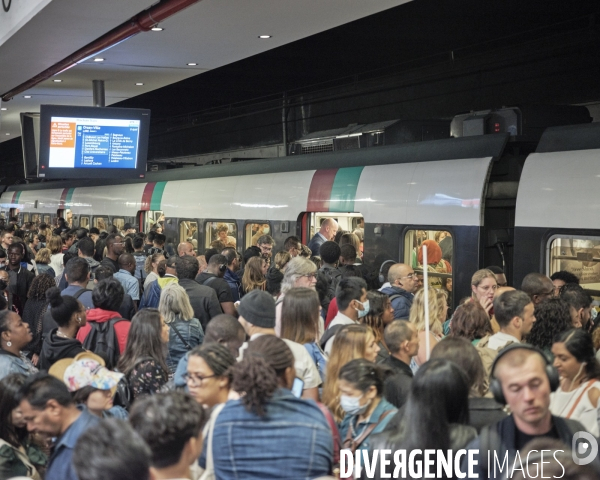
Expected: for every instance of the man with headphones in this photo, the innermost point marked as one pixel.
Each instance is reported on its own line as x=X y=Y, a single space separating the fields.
x=522 y=378
x=403 y=284
x=213 y=278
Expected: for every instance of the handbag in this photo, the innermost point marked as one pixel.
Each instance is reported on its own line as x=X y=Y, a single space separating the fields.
x=209 y=471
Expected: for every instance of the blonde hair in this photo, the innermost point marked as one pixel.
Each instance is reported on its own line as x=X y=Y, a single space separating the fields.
x=437 y=302
x=43 y=256
x=481 y=275
x=150 y=259
x=253 y=278
x=349 y=343
x=174 y=302
x=55 y=244
x=282 y=259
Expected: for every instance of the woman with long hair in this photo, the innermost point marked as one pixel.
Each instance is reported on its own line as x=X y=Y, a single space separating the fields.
x=275 y=274
x=300 y=323
x=34 y=311
x=483 y=288
x=361 y=397
x=438 y=309
x=254 y=275
x=436 y=415
x=70 y=315
x=350 y=342
x=552 y=318
x=19 y=456
x=151 y=268
x=470 y=321
x=55 y=244
x=274 y=418
x=144 y=360
x=14 y=337
x=578 y=395
x=381 y=314
x=42 y=261
x=185 y=331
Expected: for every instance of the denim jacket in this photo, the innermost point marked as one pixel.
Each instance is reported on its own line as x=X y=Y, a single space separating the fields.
x=10 y=363
x=293 y=440
x=192 y=333
x=234 y=284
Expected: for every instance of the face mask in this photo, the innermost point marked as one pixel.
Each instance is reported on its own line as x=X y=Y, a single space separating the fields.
x=3 y=285
x=352 y=406
x=365 y=311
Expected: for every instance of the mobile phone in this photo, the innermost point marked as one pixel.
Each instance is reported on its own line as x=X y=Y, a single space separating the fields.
x=297 y=387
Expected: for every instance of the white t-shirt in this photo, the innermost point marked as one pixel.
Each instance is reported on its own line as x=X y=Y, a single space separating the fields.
x=303 y=363
x=498 y=340
x=561 y=404
x=339 y=319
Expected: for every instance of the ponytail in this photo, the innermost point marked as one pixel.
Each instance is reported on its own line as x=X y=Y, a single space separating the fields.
x=257 y=380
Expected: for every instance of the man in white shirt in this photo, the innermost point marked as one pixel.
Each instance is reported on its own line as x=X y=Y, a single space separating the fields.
x=351 y=298
x=257 y=317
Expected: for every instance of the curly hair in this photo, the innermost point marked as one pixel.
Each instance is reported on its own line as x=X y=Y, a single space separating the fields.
x=470 y=321
x=378 y=302
x=552 y=317
x=43 y=256
x=40 y=285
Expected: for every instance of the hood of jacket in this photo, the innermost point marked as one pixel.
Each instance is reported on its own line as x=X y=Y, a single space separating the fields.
x=99 y=315
x=389 y=291
x=55 y=347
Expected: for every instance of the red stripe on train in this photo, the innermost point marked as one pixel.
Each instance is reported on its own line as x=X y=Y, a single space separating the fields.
x=319 y=193
x=147 y=195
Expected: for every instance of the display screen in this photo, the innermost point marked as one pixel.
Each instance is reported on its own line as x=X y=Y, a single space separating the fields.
x=111 y=142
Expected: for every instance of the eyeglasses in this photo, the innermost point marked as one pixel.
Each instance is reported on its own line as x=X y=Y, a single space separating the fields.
x=411 y=275
x=311 y=275
x=195 y=379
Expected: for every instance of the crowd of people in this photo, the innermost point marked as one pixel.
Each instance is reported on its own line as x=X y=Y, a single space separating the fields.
x=120 y=361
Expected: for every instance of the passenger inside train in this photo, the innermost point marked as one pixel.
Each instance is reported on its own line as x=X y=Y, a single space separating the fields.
x=340 y=358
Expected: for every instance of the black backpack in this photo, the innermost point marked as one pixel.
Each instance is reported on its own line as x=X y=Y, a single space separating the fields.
x=332 y=277
x=102 y=340
x=124 y=394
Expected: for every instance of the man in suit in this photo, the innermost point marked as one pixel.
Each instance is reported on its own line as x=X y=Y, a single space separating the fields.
x=327 y=233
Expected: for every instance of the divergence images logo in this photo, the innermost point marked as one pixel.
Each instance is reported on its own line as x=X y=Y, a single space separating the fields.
x=585 y=448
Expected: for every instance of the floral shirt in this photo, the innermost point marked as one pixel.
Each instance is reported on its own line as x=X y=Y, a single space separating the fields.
x=147 y=377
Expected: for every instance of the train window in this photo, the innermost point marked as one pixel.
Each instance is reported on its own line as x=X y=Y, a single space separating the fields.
x=100 y=223
x=188 y=232
x=84 y=222
x=579 y=255
x=25 y=217
x=254 y=231
x=68 y=214
x=223 y=231
x=118 y=222
x=439 y=256
x=154 y=219
x=35 y=218
x=47 y=219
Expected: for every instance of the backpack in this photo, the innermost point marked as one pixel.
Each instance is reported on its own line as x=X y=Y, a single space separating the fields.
x=102 y=340
x=124 y=394
x=488 y=355
x=332 y=277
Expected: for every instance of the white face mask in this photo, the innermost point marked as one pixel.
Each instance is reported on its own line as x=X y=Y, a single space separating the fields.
x=366 y=307
x=352 y=406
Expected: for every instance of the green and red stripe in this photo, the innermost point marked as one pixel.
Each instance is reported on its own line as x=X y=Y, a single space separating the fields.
x=15 y=198
x=333 y=190
x=66 y=198
x=152 y=196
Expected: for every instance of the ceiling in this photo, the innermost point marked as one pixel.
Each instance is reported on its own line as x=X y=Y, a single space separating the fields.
x=211 y=33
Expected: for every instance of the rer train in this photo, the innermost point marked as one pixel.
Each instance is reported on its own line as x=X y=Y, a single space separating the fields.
x=526 y=207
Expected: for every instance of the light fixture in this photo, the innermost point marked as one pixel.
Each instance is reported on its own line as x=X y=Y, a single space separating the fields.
x=7 y=133
x=26 y=96
x=157 y=29
x=139 y=84
x=98 y=59
x=4 y=109
x=57 y=80
x=264 y=37
x=192 y=64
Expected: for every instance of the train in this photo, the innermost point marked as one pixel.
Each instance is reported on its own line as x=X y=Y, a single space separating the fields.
x=523 y=206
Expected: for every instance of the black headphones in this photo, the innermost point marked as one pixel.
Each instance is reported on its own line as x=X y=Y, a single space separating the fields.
x=223 y=267
x=496 y=386
x=382 y=280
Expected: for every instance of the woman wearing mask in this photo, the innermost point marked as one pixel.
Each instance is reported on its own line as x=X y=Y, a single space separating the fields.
x=578 y=396
x=300 y=323
x=144 y=361
x=351 y=342
x=438 y=309
x=14 y=337
x=361 y=397
x=19 y=456
x=185 y=331
x=69 y=315
x=380 y=315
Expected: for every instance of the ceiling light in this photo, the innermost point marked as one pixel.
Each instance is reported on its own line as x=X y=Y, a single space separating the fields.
x=98 y=59
x=26 y=96
x=139 y=84
x=57 y=80
x=4 y=109
x=264 y=37
x=192 y=64
x=157 y=29
x=7 y=134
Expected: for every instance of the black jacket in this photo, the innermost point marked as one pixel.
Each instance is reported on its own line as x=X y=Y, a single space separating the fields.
x=203 y=299
x=397 y=387
x=56 y=348
x=24 y=279
x=484 y=411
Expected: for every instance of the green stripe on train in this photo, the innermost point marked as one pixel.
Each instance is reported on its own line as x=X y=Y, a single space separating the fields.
x=157 y=194
x=343 y=192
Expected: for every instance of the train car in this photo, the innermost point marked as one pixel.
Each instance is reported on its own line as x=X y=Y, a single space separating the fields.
x=405 y=194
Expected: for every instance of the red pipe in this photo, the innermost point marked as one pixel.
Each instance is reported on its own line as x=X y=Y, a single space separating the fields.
x=142 y=22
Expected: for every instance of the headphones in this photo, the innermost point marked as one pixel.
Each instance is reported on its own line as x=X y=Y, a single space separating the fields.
x=381 y=278
x=496 y=386
x=223 y=267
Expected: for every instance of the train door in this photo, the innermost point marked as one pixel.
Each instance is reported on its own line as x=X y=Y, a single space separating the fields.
x=349 y=222
x=84 y=221
x=220 y=234
x=67 y=214
x=188 y=232
x=118 y=222
x=151 y=219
